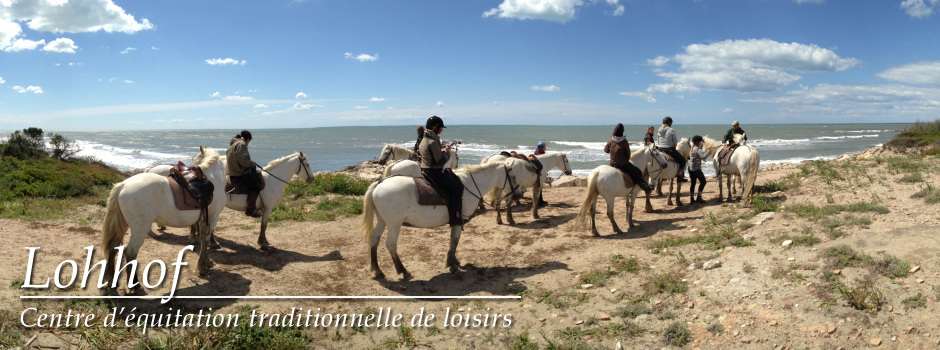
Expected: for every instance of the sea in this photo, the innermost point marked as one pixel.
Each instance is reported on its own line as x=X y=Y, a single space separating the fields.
x=334 y=148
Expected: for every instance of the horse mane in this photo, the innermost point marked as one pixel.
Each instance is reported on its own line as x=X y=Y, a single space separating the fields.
x=470 y=169
x=212 y=157
x=638 y=151
x=278 y=161
x=710 y=143
x=738 y=137
x=396 y=147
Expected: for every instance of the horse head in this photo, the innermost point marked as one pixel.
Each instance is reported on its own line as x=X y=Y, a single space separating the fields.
x=386 y=152
x=564 y=158
x=306 y=168
x=513 y=184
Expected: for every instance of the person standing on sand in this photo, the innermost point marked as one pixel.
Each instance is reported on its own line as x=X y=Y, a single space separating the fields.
x=433 y=159
x=540 y=150
x=619 y=149
x=241 y=170
x=667 y=143
x=695 y=169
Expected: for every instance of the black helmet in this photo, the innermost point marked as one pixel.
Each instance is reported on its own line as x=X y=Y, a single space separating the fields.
x=667 y=120
x=433 y=122
x=696 y=139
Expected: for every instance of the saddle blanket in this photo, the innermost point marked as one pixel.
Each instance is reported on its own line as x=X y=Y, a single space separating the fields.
x=182 y=198
x=627 y=180
x=242 y=188
x=427 y=195
x=724 y=156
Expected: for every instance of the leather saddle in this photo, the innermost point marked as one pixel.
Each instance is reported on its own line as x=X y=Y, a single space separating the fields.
x=724 y=156
x=627 y=180
x=667 y=155
x=191 y=189
x=429 y=192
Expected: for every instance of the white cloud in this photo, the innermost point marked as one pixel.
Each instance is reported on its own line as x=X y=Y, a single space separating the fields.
x=33 y=89
x=296 y=107
x=2 y=81
x=225 y=61
x=21 y=44
x=65 y=45
x=237 y=98
x=644 y=95
x=301 y=95
x=440 y=104
x=549 y=88
x=60 y=16
x=388 y=108
x=496 y=102
x=361 y=107
x=855 y=100
x=560 y=11
x=362 y=57
x=215 y=94
x=75 y=64
x=919 y=8
x=261 y=105
x=301 y=106
x=377 y=99
x=727 y=110
x=754 y=65
x=129 y=81
x=129 y=49
x=155 y=48
x=924 y=72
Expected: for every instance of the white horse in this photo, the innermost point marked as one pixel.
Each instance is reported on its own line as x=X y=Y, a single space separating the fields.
x=744 y=163
x=393 y=201
x=526 y=178
x=143 y=199
x=394 y=152
x=276 y=176
x=607 y=182
x=412 y=168
x=654 y=160
x=685 y=149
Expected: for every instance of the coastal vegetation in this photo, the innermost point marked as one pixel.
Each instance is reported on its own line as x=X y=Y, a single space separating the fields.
x=40 y=182
x=919 y=134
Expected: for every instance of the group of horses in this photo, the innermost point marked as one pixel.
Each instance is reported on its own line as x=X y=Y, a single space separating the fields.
x=138 y=202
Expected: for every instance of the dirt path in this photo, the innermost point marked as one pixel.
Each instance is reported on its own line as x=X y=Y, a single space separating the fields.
x=755 y=305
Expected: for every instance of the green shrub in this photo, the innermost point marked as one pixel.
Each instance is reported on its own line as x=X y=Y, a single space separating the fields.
x=51 y=178
x=930 y=194
x=328 y=183
x=761 y=203
x=677 y=334
x=28 y=144
x=914 y=177
x=522 y=342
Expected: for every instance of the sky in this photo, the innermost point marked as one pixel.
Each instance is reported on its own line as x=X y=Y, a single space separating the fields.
x=115 y=65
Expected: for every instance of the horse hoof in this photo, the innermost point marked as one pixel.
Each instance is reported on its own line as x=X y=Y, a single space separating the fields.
x=596 y=234
x=265 y=247
x=407 y=276
x=535 y=216
x=215 y=246
x=210 y=263
x=454 y=269
x=378 y=275
x=679 y=204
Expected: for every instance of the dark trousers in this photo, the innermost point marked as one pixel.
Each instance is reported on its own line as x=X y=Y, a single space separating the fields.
x=631 y=170
x=697 y=175
x=444 y=180
x=680 y=160
x=249 y=182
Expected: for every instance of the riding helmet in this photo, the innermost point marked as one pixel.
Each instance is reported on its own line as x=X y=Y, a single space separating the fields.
x=667 y=120
x=433 y=122
x=696 y=139
x=541 y=144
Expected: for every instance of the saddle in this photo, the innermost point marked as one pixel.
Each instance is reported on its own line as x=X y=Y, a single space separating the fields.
x=429 y=192
x=724 y=156
x=240 y=188
x=191 y=189
x=627 y=180
x=667 y=155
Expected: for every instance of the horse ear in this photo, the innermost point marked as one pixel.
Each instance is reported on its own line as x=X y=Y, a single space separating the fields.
x=301 y=154
x=202 y=150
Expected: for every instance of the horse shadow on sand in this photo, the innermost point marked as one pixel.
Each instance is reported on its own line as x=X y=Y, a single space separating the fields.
x=241 y=254
x=644 y=229
x=472 y=279
x=545 y=221
x=216 y=283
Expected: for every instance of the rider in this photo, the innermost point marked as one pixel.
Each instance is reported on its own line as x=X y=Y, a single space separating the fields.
x=540 y=150
x=667 y=143
x=695 y=169
x=416 y=156
x=735 y=130
x=648 y=139
x=241 y=170
x=433 y=160
x=619 y=150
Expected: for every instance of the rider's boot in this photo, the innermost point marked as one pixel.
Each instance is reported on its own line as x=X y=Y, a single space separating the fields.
x=645 y=187
x=252 y=200
x=681 y=177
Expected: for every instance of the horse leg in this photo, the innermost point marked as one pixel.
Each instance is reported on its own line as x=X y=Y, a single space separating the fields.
x=374 y=247
x=262 y=239
x=593 y=225
x=610 y=212
x=391 y=242
x=193 y=229
x=205 y=234
x=452 y=261
x=730 y=195
x=678 y=193
x=659 y=187
x=649 y=205
x=629 y=204
x=720 y=187
x=130 y=253
x=536 y=194
x=669 y=197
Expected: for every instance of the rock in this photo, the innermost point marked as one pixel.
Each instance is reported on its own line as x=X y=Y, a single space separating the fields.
x=613 y=290
x=654 y=251
x=919 y=281
x=831 y=329
x=692 y=266
x=566 y=181
x=711 y=264
x=791 y=259
x=587 y=286
x=603 y=317
x=836 y=272
x=578 y=322
x=914 y=269
x=787 y=243
x=618 y=347
x=875 y=341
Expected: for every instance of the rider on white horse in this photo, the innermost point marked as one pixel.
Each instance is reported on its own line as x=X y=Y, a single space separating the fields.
x=667 y=142
x=433 y=160
x=417 y=155
x=735 y=130
x=241 y=170
x=619 y=149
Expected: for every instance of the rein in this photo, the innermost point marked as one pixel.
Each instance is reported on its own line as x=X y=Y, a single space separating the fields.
x=302 y=160
x=480 y=197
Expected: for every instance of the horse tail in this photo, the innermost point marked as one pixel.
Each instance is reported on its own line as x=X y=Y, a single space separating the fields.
x=751 y=177
x=114 y=226
x=582 y=219
x=368 y=214
x=388 y=170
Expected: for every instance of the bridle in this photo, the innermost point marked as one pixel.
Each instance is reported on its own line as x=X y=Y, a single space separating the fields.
x=512 y=187
x=303 y=159
x=653 y=152
x=564 y=158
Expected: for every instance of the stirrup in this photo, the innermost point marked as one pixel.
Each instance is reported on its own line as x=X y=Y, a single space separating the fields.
x=253 y=214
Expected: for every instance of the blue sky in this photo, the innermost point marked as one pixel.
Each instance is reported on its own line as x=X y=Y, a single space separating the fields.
x=103 y=64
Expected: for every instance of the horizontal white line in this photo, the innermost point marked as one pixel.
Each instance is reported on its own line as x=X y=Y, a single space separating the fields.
x=269 y=297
